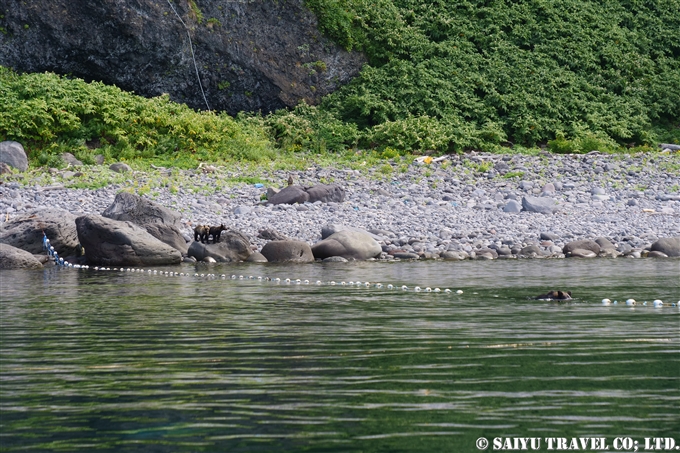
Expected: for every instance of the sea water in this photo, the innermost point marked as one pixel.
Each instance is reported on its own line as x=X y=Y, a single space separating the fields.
x=97 y=361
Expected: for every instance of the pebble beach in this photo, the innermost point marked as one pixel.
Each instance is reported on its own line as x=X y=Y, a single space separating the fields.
x=458 y=204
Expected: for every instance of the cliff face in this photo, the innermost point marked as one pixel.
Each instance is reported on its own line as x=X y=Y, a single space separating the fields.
x=251 y=54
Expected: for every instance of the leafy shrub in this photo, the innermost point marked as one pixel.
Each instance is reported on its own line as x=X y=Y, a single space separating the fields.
x=583 y=144
x=413 y=133
x=50 y=114
x=518 y=71
x=309 y=127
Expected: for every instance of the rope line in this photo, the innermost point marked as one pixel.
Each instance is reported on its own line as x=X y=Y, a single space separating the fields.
x=193 y=57
x=287 y=281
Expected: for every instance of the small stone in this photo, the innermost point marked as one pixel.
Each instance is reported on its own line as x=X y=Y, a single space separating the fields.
x=335 y=259
x=549 y=236
x=512 y=206
x=585 y=244
x=70 y=159
x=548 y=188
x=242 y=210
x=531 y=250
x=451 y=255
x=543 y=205
x=120 y=167
x=406 y=255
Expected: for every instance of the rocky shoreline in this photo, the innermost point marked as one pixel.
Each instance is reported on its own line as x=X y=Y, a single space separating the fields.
x=475 y=205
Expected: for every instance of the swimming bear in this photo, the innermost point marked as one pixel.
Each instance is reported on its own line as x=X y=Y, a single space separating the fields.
x=555 y=295
x=201 y=233
x=216 y=231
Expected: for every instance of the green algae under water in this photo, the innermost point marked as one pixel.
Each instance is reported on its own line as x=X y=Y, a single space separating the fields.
x=111 y=361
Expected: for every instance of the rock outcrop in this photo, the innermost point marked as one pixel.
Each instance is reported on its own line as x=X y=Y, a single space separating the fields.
x=159 y=221
x=13 y=154
x=287 y=251
x=250 y=54
x=668 y=246
x=14 y=258
x=580 y=247
x=325 y=193
x=113 y=243
x=26 y=231
x=233 y=246
x=347 y=244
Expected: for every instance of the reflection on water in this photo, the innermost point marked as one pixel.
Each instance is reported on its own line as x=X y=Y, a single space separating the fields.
x=110 y=361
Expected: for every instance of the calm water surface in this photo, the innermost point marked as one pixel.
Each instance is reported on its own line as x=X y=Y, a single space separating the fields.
x=104 y=361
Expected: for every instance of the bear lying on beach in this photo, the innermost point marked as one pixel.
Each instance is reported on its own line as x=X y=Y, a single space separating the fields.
x=555 y=295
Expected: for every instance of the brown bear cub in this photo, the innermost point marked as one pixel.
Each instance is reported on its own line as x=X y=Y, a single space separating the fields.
x=555 y=295
x=201 y=233
x=216 y=231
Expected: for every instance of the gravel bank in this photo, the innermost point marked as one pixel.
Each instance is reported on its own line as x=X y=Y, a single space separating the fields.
x=454 y=205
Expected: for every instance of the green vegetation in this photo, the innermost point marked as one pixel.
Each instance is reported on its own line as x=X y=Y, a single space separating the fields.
x=571 y=76
x=49 y=115
x=214 y=22
x=477 y=74
x=196 y=11
x=513 y=174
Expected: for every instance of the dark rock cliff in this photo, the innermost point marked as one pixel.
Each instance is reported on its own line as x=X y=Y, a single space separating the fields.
x=251 y=54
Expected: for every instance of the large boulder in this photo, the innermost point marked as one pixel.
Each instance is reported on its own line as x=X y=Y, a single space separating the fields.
x=286 y=251
x=13 y=154
x=15 y=258
x=233 y=246
x=159 y=221
x=584 y=244
x=26 y=231
x=669 y=246
x=114 y=243
x=169 y=234
x=332 y=228
x=347 y=244
x=607 y=248
x=289 y=195
x=324 y=193
x=129 y=207
x=544 y=205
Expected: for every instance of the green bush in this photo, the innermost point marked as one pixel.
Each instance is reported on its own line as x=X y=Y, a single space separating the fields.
x=584 y=143
x=508 y=70
x=307 y=127
x=413 y=133
x=51 y=114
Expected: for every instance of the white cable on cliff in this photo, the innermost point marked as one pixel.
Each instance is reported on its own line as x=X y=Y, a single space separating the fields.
x=193 y=57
